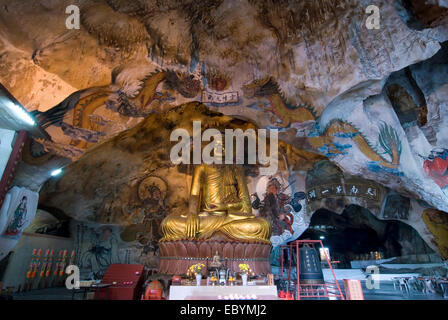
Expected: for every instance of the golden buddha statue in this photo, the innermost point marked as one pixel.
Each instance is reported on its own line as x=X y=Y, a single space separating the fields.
x=219 y=205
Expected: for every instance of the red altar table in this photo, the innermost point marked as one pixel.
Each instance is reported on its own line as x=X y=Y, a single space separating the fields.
x=125 y=281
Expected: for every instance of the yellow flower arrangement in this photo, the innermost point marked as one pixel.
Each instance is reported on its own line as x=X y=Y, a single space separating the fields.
x=244 y=268
x=195 y=269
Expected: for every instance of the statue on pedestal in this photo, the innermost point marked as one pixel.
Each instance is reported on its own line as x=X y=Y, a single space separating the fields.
x=219 y=219
x=219 y=206
x=216 y=262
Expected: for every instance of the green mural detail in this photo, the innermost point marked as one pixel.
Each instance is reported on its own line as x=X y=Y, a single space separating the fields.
x=390 y=142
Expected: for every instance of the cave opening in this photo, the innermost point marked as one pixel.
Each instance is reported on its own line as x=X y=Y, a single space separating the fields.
x=357 y=235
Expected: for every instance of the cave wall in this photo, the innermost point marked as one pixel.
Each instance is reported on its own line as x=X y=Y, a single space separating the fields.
x=121 y=189
x=328 y=187
x=21 y=257
x=356 y=232
x=319 y=81
x=372 y=101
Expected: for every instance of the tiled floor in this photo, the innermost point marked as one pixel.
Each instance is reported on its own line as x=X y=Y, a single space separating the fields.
x=48 y=294
x=385 y=292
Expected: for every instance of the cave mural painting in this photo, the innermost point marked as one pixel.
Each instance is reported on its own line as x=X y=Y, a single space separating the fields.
x=16 y=213
x=217 y=80
x=273 y=207
x=391 y=144
x=436 y=167
x=216 y=89
x=396 y=207
x=437 y=223
x=388 y=140
x=274 y=202
x=349 y=91
x=18 y=219
x=284 y=111
x=140 y=208
x=328 y=140
x=152 y=210
x=76 y=117
x=97 y=248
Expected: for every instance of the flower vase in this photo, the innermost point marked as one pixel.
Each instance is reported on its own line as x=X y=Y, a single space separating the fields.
x=198 y=279
x=244 y=278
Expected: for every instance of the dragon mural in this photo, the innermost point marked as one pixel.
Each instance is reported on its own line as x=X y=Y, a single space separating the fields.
x=324 y=140
x=287 y=113
x=80 y=122
x=76 y=115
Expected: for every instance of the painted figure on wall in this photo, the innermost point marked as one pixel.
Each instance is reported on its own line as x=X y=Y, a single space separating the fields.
x=273 y=207
x=437 y=223
x=14 y=227
x=436 y=166
x=102 y=250
x=149 y=214
x=396 y=207
x=155 y=209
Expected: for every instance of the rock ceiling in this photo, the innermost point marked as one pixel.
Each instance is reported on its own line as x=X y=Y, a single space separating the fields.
x=371 y=101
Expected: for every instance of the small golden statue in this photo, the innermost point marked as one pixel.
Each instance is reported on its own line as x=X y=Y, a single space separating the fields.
x=216 y=262
x=219 y=205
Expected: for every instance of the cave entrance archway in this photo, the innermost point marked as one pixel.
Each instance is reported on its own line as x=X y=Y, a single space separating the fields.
x=356 y=233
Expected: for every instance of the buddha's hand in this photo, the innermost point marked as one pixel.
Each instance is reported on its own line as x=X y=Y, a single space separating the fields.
x=215 y=207
x=236 y=206
x=192 y=225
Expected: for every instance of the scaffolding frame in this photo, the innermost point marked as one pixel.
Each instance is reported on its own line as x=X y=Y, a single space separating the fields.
x=325 y=290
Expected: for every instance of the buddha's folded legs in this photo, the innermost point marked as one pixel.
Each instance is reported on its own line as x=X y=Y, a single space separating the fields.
x=250 y=229
x=175 y=227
